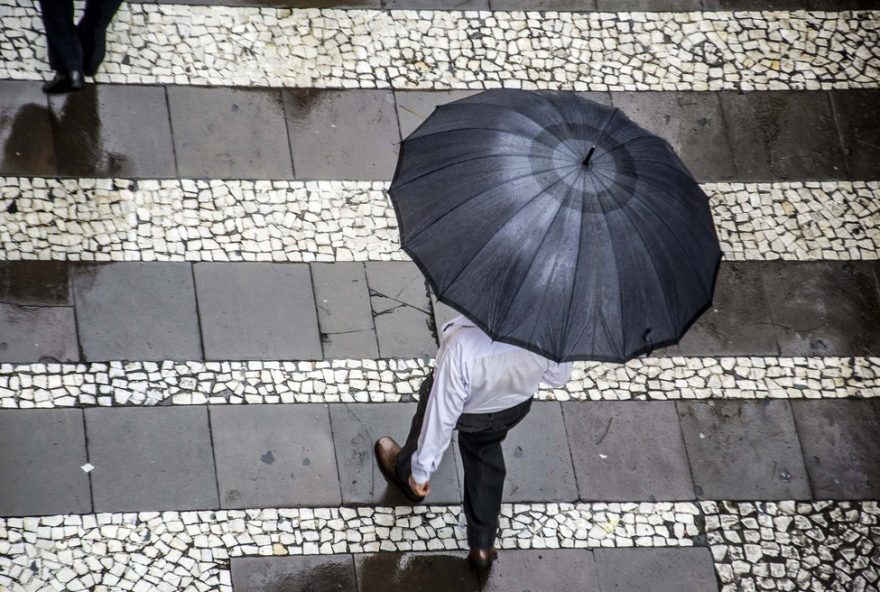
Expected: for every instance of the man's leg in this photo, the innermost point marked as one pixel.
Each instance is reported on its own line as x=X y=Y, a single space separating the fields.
x=484 y=472
x=65 y=53
x=92 y=29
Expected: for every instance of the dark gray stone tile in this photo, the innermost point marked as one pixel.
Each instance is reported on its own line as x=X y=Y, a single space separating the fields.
x=113 y=130
x=755 y=5
x=355 y=429
x=136 y=311
x=271 y=456
x=839 y=439
x=824 y=308
x=286 y=3
x=546 y=570
x=538 y=459
x=579 y=5
x=257 y=311
x=858 y=121
x=344 y=314
x=691 y=122
x=25 y=130
x=314 y=573
x=414 y=107
x=628 y=451
x=41 y=452
x=151 y=459
x=436 y=4
x=229 y=133
x=738 y=322
x=342 y=134
x=770 y=140
x=743 y=450
x=37 y=333
x=649 y=5
x=657 y=570
x=40 y=283
x=425 y=572
x=401 y=310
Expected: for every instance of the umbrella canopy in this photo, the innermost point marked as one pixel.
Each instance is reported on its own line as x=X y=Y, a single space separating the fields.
x=557 y=224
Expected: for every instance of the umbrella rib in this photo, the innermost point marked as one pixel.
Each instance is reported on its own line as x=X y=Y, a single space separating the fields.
x=466 y=160
x=532 y=139
x=619 y=290
x=650 y=255
x=532 y=262
x=475 y=196
x=480 y=250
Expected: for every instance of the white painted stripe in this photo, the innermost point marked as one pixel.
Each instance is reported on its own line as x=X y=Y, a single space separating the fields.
x=380 y=381
x=755 y=544
x=331 y=48
x=301 y=221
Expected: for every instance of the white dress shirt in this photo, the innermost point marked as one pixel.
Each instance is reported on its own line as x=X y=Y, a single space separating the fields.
x=473 y=374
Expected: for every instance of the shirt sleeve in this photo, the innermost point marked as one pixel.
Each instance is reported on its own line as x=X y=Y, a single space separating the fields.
x=557 y=374
x=445 y=405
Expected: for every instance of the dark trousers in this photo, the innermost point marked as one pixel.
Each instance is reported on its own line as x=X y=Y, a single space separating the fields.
x=479 y=440
x=79 y=47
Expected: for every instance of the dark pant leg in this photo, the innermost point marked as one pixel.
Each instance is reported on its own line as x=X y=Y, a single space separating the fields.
x=92 y=29
x=65 y=52
x=484 y=472
x=404 y=459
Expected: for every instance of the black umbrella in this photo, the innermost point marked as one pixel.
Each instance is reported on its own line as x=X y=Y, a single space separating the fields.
x=557 y=224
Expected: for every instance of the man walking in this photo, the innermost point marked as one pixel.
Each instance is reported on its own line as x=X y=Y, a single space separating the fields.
x=78 y=50
x=483 y=388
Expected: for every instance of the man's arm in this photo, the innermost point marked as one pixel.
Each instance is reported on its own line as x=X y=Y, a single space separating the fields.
x=445 y=405
x=557 y=374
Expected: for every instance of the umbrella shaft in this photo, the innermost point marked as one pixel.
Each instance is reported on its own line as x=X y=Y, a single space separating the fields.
x=589 y=155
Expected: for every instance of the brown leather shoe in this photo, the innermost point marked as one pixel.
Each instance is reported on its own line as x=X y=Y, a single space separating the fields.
x=481 y=559
x=386 y=451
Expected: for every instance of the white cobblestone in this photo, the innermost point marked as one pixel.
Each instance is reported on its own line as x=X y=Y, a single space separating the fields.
x=108 y=384
x=331 y=48
x=302 y=221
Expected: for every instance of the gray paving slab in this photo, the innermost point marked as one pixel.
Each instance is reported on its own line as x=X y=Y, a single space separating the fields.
x=345 y=318
x=136 y=311
x=329 y=141
x=229 y=133
x=858 y=121
x=25 y=130
x=425 y=572
x=401 y=310
x=151 y=459
x=537 y=457
x=37 y=333
x=435 y=4
x=628 y=451
x=38 y=283
x=546 y=570
x=657 y=570
x=743 y=450
x=355 y=429
x=783 y=136
x=257 y=311
x=41 y=452
x=839 y=440
x=579 y=5
x=414 y=107
x=691 y=122
x=113 y=130
x=824 y=308
x=649 y=5
x=315 y=573
x=443 y=313
x=274 y=456
x=738 y=322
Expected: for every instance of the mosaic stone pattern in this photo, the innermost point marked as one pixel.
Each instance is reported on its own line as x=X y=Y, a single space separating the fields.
x=380 y=381
x=816 y=546
x=250 y=46
x=302 y=221
x=190 y=551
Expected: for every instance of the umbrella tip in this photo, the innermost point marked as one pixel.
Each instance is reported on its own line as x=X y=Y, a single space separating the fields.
x=589 y=155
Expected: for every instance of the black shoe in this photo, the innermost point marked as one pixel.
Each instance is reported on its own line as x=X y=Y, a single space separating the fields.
x=386 y=451
x=64 y=82
x=481 y=559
